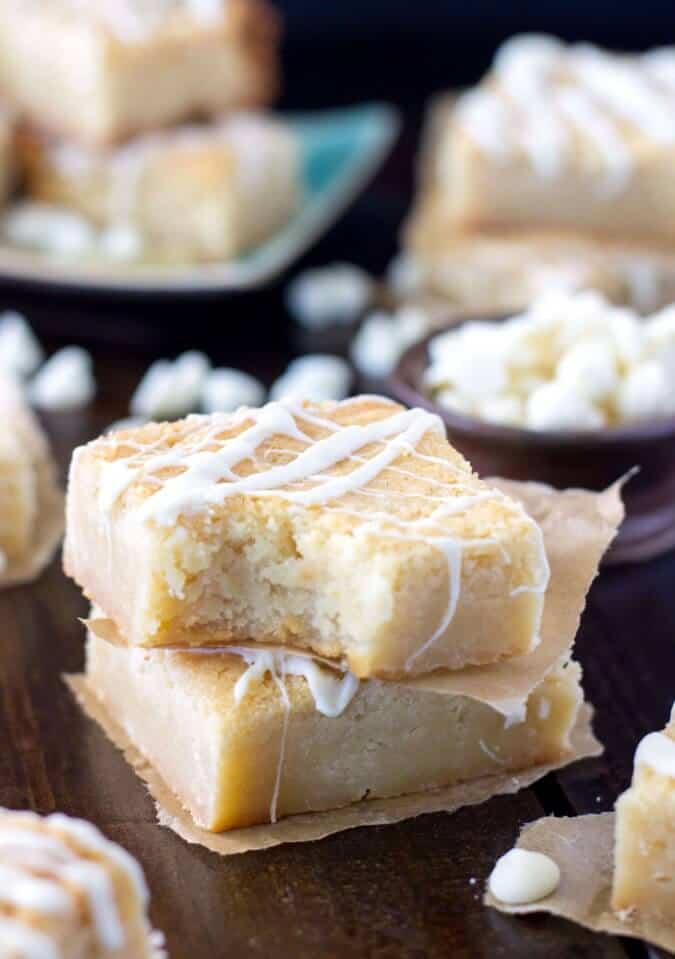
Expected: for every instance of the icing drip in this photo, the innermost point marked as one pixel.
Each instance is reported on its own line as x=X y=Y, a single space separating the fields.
x=281 y=685
x=203 y=474
x=332 y=694
x=25 y=850
x=543 y=91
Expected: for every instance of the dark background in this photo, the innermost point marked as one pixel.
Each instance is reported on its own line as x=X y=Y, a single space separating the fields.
x=337 y=52
x=403 y=50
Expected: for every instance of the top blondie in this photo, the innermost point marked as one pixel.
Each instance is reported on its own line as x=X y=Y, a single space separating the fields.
x=572 y=138
x=352 y=530
x=101 y=71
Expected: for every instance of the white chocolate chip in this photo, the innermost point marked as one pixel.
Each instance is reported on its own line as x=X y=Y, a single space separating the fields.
x=506 y=409
x=171 y=389
x=384 y=337
x=65 y=382
x=645 y=393
x=522 y=876
x=336 y=294
x=375 y=349
x=589 y=368
x=314 y=377
x=405 y=275
x=49 y=229
x=20 y=352
x=557 y=406
x=225 y=390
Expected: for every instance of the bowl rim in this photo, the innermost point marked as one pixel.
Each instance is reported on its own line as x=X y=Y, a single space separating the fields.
x=643 y=432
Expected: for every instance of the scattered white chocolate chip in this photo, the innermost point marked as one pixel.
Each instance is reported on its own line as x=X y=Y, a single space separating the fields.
x=49 y=229
x=384 y=337
x=20 y=352
x=314 y=377
x=171 y=389
x=335 y=294
x=522 y=876
x=405 y=275
x=65 y=382
x=226 y=390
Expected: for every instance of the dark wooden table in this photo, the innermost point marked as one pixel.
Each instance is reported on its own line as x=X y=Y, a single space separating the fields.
x=405 y=891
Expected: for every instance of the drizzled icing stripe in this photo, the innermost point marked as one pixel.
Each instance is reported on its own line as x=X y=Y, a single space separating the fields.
x=332 y=694
x=208 y=478
x=24 y=891
x=19 y=940
x=543 y=90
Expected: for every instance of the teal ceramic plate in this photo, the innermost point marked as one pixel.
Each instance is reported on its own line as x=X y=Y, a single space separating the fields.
x=341 y=150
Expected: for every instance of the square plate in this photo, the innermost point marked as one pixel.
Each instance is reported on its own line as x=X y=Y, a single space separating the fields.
x=340 y=151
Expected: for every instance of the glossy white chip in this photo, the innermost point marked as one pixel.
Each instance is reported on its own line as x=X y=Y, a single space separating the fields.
x=65 y=382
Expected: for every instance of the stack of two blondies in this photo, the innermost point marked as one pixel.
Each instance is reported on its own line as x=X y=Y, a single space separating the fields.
x=136 y=116
x=273 y=591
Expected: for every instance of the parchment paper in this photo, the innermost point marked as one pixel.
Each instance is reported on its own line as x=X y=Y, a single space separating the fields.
x=583 y=847
x=50 y=514
x=578 y=526
x=312 y=826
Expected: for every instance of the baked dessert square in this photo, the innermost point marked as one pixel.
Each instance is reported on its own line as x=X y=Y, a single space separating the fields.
x=244 y=736
x=103 y=71
x=506 y=272
x=351 y=529
x=562 y=137
x=67 y=891
x=18 y=474
x=644 y=855
x=205 y=192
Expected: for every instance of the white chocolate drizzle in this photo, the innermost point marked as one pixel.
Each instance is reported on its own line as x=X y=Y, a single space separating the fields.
x=543 y=95
x=203 y=474
x=27 y=847
x=20 y=940
x=331 y=693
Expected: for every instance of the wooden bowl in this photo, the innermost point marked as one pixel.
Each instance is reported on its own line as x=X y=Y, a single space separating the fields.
x=589 y=459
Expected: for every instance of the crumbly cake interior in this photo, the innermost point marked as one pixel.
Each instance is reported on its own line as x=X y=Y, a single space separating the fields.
x=240 y=745
x=352 y=528
x=68 y=891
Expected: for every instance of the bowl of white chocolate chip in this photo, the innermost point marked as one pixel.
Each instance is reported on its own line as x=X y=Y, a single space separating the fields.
x=572 y=392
